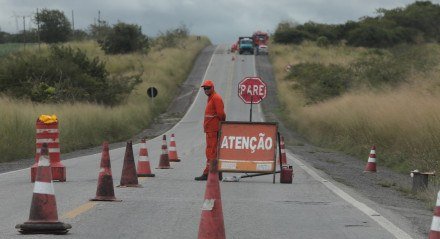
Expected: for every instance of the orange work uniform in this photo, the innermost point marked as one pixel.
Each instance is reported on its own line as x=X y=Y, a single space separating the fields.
x=214 y=114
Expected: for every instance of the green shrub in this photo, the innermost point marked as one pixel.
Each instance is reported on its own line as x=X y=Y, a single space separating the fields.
x=124 y=38
x=319 y=82
x=375 y=70
x=322 y=41
x=172 y=37
x=65 y=75
x=54 y=26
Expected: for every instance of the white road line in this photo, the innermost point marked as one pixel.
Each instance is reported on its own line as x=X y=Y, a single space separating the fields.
x=382 y=221
x=195 y=99
x=262 y=119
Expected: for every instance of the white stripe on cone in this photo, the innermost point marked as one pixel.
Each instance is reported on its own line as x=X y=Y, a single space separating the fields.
x=371 y=160
x=43 y=188
x=143 y=158
x=435 y=225
x=438 y=199
x=172 y=148
x=44 y=161
x=373 y=151
x=283 y=151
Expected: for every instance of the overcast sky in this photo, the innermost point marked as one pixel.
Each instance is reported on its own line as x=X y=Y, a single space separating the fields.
x=221 y=20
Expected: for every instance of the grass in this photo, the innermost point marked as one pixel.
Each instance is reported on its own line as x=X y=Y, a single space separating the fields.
x=7 y=48
x=403 y=122
x=84 y=125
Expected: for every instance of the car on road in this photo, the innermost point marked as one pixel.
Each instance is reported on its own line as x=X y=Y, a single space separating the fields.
x=262 y=50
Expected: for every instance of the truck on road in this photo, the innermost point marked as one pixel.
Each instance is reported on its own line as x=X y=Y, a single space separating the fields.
x=261 y=40
x=245 y=44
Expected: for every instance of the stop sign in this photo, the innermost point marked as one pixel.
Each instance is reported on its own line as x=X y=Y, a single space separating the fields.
x=252 y=90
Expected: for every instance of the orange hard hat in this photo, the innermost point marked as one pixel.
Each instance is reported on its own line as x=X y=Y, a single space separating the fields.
x=208 y=83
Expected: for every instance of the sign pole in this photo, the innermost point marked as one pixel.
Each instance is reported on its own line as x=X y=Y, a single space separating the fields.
x=152 y=98
x=250 y=114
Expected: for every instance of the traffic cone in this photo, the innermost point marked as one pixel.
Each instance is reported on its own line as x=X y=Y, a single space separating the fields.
x=43 y=217
x=434 y=233
x=371 y=164
x=164 y=161
x=105 y=190
x=233 y=58
x=283 y=158
x=129 y=177
x=143 y=167
x=172 y=154
x=211 y=223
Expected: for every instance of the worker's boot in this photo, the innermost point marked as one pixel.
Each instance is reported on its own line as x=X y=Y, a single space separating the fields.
x=204 y=177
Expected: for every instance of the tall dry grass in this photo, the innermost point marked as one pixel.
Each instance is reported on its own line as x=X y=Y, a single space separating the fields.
x=84 y=124
x=403 y=122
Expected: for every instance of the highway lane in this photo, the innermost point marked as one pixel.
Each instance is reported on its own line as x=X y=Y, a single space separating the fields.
x=169 y=205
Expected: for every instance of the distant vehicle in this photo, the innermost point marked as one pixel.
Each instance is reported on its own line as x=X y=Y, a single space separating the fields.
x=245 y=44
x=260 y=39
x=234 y=47
x=262 y=50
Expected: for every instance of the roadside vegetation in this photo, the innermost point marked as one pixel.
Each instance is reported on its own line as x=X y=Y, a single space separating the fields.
x=96 y=85
x=348 y=96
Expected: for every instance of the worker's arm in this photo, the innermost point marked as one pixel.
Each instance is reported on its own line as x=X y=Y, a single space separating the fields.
x=220 y=108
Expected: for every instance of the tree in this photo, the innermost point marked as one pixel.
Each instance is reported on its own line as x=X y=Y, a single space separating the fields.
x=124 y=38
x=54 y=26
x=100 y=31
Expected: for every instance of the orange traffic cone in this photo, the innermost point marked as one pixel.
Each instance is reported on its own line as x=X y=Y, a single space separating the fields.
x=43 y=217
x=164 y=161
x=105 y=190
x=211 y=223
x=172 y=154
x=434 y=233
x=371 y=164
x=129 y=177
x=283 y=158
x=143 y=167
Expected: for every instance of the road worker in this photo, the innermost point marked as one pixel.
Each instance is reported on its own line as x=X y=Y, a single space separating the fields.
x=214 y=114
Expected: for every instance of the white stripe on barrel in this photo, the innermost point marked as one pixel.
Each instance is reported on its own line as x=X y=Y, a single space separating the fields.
x=40 y=141
x=51 y=150
x=51 y=131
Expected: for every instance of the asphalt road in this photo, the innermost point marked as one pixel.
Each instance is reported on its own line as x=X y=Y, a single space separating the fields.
x=169 y=205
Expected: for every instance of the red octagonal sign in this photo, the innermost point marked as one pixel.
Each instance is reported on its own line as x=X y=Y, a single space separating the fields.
x=252 y=90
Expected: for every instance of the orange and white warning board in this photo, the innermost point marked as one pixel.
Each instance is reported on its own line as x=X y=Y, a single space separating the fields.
x=247 y=147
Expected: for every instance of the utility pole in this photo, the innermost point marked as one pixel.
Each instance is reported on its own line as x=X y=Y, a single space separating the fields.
x=38 y=30
x=73 y=25
x=24 y=32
